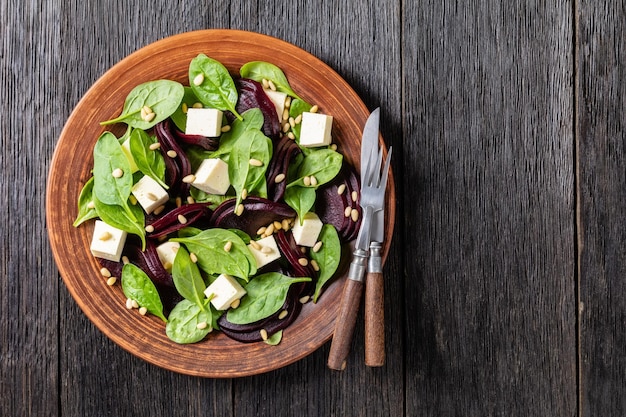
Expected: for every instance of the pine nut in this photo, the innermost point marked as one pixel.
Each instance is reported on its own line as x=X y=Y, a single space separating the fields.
x=235 y=303
x=179 y=201
x=182 y=219
x=149 y=228
x=111 y=281
x=265 y=83
x=198 y=79
x=355 y=196
x=291 y=136
x=146 y=109
x=279 y=178
x=314 y=109
x=277 y=225
x=188 y=179
x=167 y=265
x=286 y=114
x=263 y=333
x=303 y=261
x=105 y=272
x=270 y=229
x=197 y=105
x=261 y=230
x=190 y=200
x=244 y=194
x=154 y=146
x=129 y=303
x=117 y=173
x=185 y=108
x=133 y=199
x=271 y=85
x=313 y=181
x=347 y=211
x=315 y=265
x=239 y=210
x=172 y=153
x=305 y=299
x=255 y=162
x=292 y=122
x=225 y=128
x=333 y=146
x=354 y=214
x=149 y=117
x=286 y=127
x=317 y=246
x=202 y=325
x=143 y=311
x=255 y=245
x=285 y=224
x=125 y=260
x=306 y=180
x=91 y=205
x=283 y=314
x=228 y=246
x=193 y=257
x=341 y=189
x=134 y=303
x=288 y=102
x=159 y=210
x=105 y=236
x=298 y=119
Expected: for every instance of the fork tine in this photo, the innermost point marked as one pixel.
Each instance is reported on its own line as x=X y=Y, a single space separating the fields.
x=376 y=166
x=383 y=179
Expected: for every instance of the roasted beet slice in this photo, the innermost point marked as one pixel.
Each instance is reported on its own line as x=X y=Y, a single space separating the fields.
x=210 y=144
x=286 y=149
x=170 y=222
x=251 y=95
x=148 y=260
x=181 y=164
x=332 y=206
x=353 y=189
x=271 y=325
x=257 y=212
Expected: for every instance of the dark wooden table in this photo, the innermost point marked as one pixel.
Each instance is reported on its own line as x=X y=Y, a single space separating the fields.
x=505 y=284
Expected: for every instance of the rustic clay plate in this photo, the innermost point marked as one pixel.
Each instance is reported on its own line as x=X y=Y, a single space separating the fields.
x=217 y=356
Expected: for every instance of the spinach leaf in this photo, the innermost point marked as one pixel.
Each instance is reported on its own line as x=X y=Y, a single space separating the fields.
x=179 y=117
x=208 y=246
x=187 y=278
x=108 y=157
x=117 y=217
x=149 y=162
x=296 y=109
x=252 y=144
x=137 y=286
x=217 y=88
x=252 y=120
x=184 y=319
x=275 y=339
x=161 y=96
x=324 y=164
x=214 y=200
x=258 y=70
x=85 y=199
x=301 y=199
x=266 y=294
x=327 y=257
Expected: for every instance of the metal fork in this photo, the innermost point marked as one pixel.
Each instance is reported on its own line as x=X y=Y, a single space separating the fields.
x=372 y=200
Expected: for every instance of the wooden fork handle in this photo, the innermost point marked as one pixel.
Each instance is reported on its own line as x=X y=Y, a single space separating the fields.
x=374 y=319
x=344 y=327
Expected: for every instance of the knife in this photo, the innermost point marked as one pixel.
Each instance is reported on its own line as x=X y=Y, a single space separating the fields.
x=374 y=283
x=353 y=288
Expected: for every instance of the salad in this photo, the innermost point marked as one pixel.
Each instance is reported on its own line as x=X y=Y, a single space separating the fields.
x=225 y=205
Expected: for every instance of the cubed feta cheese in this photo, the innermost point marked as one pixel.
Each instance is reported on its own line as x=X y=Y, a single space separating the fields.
x=204 y=122
x=129 y=156
x=167 y=253
x=267 y=251
x=278 y=98
x=149 y=194
x=212 y=177
x=315 y=130
x=223 y=291
x=107 y=241
x=306 y=234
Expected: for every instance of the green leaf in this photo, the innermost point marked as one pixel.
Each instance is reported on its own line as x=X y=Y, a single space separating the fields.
x=301 y=199
x=217 y=89
x=139 y=287
x=184 y=319
x=149 y=162
x=208 y=246
x=327 y=257
x=179 y=117
x=296 y=109
x=161 y=96
x=187 y=278
x=115 y=216
x=275 y=339
x=266 y=294
x=85 y=200
x=252 y=120
x=252 y=144
x=259 y=70
x=324 y=164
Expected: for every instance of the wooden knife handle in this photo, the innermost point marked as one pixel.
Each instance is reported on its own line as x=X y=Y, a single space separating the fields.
x=344 y=327
x=374 y=319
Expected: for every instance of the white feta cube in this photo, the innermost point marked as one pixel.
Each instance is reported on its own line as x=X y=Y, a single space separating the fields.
x=212 y=177
x=107 y=241
x=315 y=129
x=264 y=251
x=223 y=291
x=149 y=194
x=306 y=234
x=278 y=98
x=167 y=253
x=129 y=156
x=204 y=122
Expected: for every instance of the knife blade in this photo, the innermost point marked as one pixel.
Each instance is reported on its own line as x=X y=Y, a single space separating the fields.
x=353 y=288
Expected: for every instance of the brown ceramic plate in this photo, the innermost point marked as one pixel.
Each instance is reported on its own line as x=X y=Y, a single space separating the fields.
x=217 y=356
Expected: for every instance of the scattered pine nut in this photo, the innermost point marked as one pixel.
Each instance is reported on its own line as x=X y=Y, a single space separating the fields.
x=133 y=200
x=149 y=117
x=111 y=281
x=129 y=303
x=143 y=311
x=286 y=127
x=347 y=211
x=225 y=128
x=198 y=79
x=185 y=108
x=298 y=119
x=314 y=109
x=188 y=179
x=182 y=219
x=292 y=122
x=105 y=236
x=179 y=201
x=341 y=189
x=270 y=229
x=149 y=228
x=91 y=205
x=277 y=225
x=154 y=146
x=303 y=261
x=333 y=146
x=193 y=257
x=354 y=214
x=315 y=265
x=125 y=260
x=288 y=102
x=291 y=136
x=271 y=85
x=285 y=224
x=159 y=210
x=283 y=314
x=134 y=303
x=172 y=153
x=265 y=83
x=244 y=194
x=313 y=181
x=255 y=245
x=235 y=303
x=306 y=180
x=355 y=196
x=261 y=230
x=228 y=246
x=105 y=272
x=146 y=109
x=286 y=114
x=279 y=178
x=305 y=299
x=263 y=333
x=202 y=325
x=167 y=265
x=117 y=173
x=197 y=105
x=190 y=200
x=255 y=162
x=317 y=246
x=239 y=209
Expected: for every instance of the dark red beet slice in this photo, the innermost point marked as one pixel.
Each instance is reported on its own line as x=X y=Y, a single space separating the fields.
x=251 y=95
x=331 y=206
x=169 y=143
x=352 y=183
x=210 y=144
x=170 y=222
x=257 y=212
x=286 y=149
x=148 y=260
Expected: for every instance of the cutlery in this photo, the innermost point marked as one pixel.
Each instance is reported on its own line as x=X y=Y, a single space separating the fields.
x=372 y=200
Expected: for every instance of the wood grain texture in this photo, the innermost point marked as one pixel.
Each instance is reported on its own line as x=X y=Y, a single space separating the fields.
x=601 y=121
x=488 y=121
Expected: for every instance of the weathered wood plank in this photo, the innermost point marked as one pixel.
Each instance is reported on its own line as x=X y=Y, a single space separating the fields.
x=601 y=100
x=28 y=277
x=489 y=201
